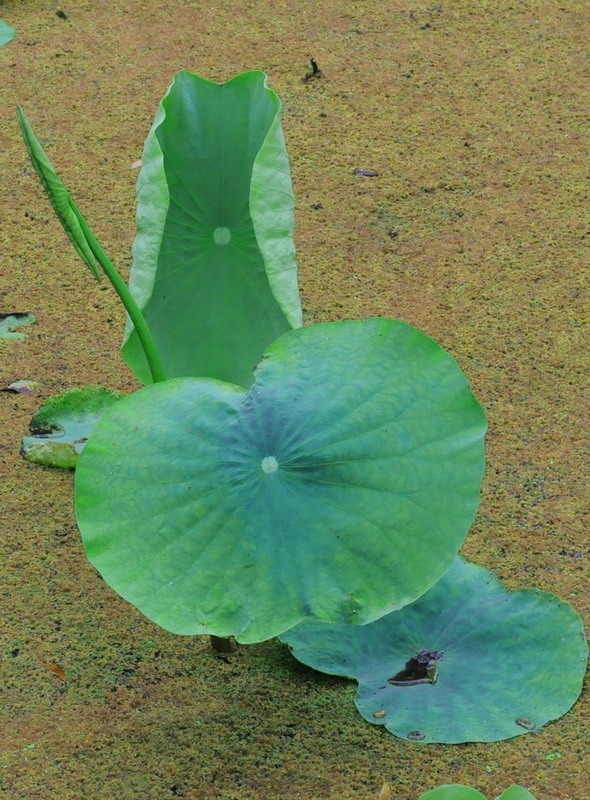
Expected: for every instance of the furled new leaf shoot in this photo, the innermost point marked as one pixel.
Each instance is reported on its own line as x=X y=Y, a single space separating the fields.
x=85 y=243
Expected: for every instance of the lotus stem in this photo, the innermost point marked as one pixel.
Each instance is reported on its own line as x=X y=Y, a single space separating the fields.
x=119 y=285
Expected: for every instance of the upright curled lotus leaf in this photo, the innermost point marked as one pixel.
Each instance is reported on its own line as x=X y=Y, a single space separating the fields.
x=213 y=260
x=467 y=662
x=457 y=791
x=338 y=487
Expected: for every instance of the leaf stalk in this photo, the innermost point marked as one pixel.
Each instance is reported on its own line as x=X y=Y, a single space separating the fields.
x=119 y=285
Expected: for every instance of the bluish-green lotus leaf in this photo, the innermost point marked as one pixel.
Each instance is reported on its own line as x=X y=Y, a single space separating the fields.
x=500 y=664
x=339 y=487
x=61 y=427
x=457 y=791
x=7 y=33
x=214 y=260
x=9 y=324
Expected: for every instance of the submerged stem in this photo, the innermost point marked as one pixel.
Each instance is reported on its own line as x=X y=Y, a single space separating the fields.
x=119 y=285
x=220 y=644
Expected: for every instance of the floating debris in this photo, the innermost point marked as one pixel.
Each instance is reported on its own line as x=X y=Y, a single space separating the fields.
x=315 y=72
x=57 y=670
x=20 y=387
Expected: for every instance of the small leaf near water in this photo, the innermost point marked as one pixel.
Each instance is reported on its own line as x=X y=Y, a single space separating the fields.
x=452 y=791
x=11 y=321
x=516 y=793
x=457 y=791
x=7 y=33
x=63 y=424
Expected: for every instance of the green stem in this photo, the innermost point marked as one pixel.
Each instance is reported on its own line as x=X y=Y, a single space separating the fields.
x=119 y=285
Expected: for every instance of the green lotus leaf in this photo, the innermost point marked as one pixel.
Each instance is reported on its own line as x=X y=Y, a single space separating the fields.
x=456 y=791
x=339 y=487
x=502 y=664
x=452 y=791
x=61 y=427
x=10 y=322
x=213 y=260
x=7 y=33
x=516 y=793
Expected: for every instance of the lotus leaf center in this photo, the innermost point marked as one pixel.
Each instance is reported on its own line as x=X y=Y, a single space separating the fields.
x=269 y=464
x=221 y=235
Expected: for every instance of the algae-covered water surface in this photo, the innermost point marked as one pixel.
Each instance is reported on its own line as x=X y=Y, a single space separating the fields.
x=438 y=162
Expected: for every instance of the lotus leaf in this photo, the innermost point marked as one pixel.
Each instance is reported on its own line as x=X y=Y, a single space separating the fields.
x=10 y=322
x=339 y=487
x=7 y=33
x=213 y=260
x=503 y=664
x=61 y=427
x=456 y=791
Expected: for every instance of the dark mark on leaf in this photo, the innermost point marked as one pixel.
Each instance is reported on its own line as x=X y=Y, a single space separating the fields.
x=420 y=669
x=524 y=722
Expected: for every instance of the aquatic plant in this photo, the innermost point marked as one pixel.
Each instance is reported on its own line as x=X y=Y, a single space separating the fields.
x=466 y=662
x=272 y=475
x=213 y=281
x=233 y=511
x=7 y=33
x=457 y=791
x=61 y=427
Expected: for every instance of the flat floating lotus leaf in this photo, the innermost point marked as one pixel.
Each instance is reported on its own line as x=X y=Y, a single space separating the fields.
x=10 y=322
x=516 y=793
x=501 y=664
x=7 y=33
x=452 y=791
x=213 y=260
x=61 y=427
x=339 y=487
x=456 y=791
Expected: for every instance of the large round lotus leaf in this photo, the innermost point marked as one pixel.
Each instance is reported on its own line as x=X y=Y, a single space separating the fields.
x=339 y=487
x=457 y=791
x=502 y=664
